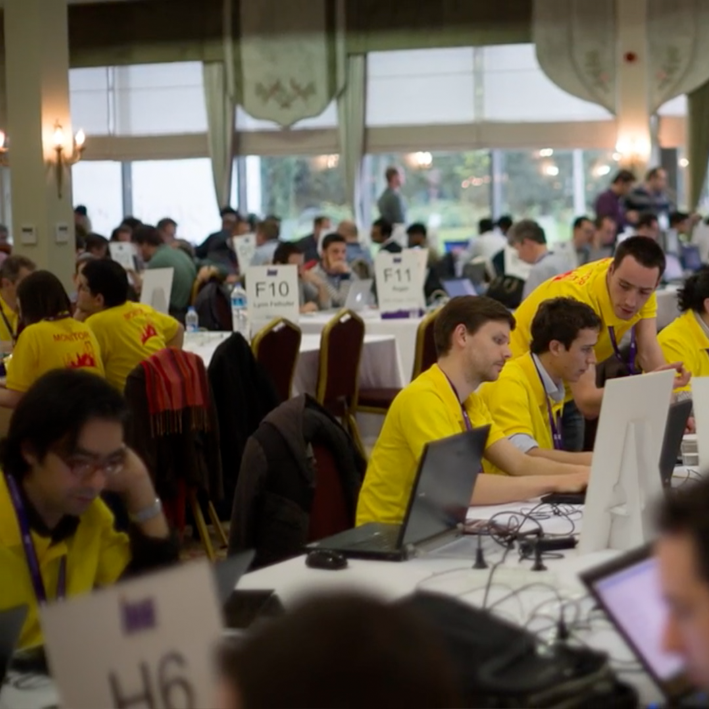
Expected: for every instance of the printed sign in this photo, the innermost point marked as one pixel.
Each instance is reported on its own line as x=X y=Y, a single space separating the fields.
x=399 y=281
x=123 y=253
x=244 y=248
x=157 y=286
x=273 y=292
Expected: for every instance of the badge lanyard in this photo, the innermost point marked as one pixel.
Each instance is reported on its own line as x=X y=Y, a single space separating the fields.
x=28 y=545
x=466 y=417
x=13 y=334
x=633 y=348
x=556 y=435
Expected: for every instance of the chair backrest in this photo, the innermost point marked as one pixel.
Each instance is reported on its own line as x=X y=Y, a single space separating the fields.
x=361 y=268
x=328 y=514
x=340 y=354
x=276 y=348
x=426 y=355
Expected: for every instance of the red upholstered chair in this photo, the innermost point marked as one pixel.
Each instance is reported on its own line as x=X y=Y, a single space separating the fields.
x=338 y=372
x=378 y=400
x=328 y=514
x=276 y=348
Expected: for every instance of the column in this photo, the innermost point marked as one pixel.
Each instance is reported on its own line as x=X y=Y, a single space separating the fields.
x=634 y=138
x=37 y=76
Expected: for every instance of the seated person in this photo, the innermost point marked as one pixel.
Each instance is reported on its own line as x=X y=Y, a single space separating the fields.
x=81 y=261
x=382 y=233
x=417 y=236
x=313 y=291
x=472 y=337
x=49 y=337
x=64 y=448
x=333 y=269
x=97 y=245
x=12 y=271
x=127 y=332
x=355 y=250
x=268 y=233
x=527 y=400
x=686 y=339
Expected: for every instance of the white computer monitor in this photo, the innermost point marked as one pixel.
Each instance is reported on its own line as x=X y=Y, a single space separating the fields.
x=625 y=474
x=700 y=399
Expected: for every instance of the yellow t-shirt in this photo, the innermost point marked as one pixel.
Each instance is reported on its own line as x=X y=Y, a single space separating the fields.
x=426 y=410
x=684 y=340
x=517 y=403
x=52 y=344
x=128 y=334
x=96 y=555
x=7 y=317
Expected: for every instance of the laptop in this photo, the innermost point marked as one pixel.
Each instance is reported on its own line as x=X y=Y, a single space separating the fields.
x=628 y=590
x=674 y=273
x=691 y=258
x=11 y=622
x=228 y=572
x=676 y=425
x=437 y=508
x=359 y=294
x=455 y=287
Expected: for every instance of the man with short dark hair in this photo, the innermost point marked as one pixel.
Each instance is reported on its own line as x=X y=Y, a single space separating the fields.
x=167 y=228
x=12 y=271
x=604 y=239
x=334 y=271
x=578 y=247
x=504 y=223
x=382 y=233
x=651 y=197
x=313 y=291
x=268 y=232
x=157 y=254
x=391 y=203
x=527 y=400
x=648 y=226
x=217 y=246
x=610 y=203
x=310 y=244
x=487 y=244
x=64 y=448
x=472 y=337
x=97 y=245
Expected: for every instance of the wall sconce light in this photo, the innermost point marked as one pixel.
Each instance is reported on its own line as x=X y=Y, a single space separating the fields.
x=4 y=151
x=422 y=160
x=633 y=151
x=62 y=161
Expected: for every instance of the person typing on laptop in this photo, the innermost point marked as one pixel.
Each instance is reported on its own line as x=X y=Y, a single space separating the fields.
x=527 y=400
x=472 y=339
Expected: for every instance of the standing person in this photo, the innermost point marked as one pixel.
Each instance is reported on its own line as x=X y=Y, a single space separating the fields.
x=383 y=234
x=651 y=197
x=310 y=244
x=12 y=272
x=333 y=269
x=391 y=204
x=611 y=202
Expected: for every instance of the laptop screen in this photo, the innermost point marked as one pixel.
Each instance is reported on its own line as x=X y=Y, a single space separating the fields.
x=673 y=269
x=459 y=286
x=690 y=257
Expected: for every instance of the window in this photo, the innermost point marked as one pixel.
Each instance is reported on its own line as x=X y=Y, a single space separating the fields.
x=98 y=186
x=674 y=107
x=420 y=87
x=180 y=189
x=327 y=119
x=296 y=189
x=88 y=93
x=449 y=192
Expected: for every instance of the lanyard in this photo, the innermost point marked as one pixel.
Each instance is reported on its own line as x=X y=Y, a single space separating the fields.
x=30 y=552
x=466 y=418
x=555 y=424
x=13 y=334
x=633 y=348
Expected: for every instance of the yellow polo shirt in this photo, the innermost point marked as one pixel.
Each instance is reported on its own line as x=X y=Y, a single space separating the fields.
x=52 y=344
x=12 y=318
x=426 y=410
x=588 y=285
x=96 y=555
x=685 y=340
x=517 y=402
x=128 y=334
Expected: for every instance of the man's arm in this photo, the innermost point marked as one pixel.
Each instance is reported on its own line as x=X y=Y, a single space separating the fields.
x=651 y=357
x=9 y=398
x=587 y=395
x=512 y=461
x=562 y=456
x=500 y=489
x=179 y=339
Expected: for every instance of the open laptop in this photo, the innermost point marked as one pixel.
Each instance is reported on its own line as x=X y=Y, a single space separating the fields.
x=438 y=503
x=674 y=272
x=672 y=443
x=691 y=258
x=455 y=287
x=228 y=572
x=359 y=294
x=628 y=590
x=11 y=622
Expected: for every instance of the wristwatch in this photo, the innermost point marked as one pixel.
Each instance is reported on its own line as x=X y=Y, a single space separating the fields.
x=147 y=513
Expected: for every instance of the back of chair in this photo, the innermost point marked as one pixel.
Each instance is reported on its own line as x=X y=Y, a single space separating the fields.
x=426 y=355
x=328 y=514
x=276 y=348
x=340 y=354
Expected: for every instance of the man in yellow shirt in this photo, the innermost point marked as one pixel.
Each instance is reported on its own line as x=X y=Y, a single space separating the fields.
x=127 y=333
x=57 y=537
x=472 y=340
x=12 y=271
x=621 y=292
x=527 y=400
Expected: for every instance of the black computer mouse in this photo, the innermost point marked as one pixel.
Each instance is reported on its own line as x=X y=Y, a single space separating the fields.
x=325 y=559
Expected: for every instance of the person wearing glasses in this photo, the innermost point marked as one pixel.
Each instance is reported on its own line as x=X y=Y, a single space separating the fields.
x=65 y=447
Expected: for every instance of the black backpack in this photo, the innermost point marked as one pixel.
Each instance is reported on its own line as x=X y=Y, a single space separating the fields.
x=507 y=290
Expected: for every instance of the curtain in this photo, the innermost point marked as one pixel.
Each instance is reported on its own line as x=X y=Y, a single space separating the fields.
x=351 y=106
x=698 y=141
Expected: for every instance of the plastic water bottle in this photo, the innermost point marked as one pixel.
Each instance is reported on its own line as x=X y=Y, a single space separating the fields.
x=192 y=321
x=240 y=311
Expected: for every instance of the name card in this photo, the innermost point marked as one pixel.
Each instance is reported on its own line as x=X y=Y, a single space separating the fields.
x=157 y=286
x=273 y=292
x=146 y=643
x=244 y=248
x=123 y=253
x=399 y=281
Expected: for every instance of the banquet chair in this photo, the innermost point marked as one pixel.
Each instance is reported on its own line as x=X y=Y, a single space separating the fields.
x=276 y=348
x=341 y=346
x=378 y=400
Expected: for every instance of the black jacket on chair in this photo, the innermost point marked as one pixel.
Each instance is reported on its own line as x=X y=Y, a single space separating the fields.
x=243 y=395
x=278 y=480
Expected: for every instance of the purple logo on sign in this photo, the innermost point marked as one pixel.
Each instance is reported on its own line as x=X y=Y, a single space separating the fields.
x=271 y=272
x=397 y=259
x=138 y=616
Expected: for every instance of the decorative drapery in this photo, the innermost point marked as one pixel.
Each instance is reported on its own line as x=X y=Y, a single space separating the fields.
x=575 y=42
x=351 y=111
x=291 y=56
x=698 y=141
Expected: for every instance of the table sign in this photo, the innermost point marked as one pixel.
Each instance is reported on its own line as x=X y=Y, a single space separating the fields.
x=399 y=281
x=273 y=292
x=244 y=247
x=123 y=253
x=143 y=644
x=157 y=286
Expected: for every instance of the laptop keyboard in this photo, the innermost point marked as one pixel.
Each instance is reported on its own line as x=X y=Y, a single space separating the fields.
x=384 y=540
